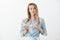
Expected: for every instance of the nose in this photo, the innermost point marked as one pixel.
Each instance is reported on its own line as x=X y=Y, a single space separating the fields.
x=32 y=10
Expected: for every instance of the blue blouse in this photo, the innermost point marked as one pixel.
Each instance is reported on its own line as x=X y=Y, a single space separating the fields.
x=36 y=32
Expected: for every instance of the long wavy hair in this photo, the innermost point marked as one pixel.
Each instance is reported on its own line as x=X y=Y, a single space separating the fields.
x=36 y=16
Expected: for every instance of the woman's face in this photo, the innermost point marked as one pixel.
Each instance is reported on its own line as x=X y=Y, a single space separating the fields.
x=32 y=9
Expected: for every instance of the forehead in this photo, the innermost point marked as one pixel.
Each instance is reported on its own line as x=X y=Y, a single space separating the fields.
x=31 y=6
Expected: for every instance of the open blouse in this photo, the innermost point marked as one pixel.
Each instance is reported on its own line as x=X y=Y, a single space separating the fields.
x=35 y=32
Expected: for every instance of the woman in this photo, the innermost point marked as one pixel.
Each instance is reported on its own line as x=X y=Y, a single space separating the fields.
x=33 y=25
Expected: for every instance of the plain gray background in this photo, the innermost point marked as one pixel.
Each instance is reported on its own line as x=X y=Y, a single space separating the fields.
x=13 y=11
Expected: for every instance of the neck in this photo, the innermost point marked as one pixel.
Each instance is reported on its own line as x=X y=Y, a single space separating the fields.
x=32 y=17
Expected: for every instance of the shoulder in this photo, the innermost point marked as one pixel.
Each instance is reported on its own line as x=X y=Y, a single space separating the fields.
x=24 y=19
x=41 y=18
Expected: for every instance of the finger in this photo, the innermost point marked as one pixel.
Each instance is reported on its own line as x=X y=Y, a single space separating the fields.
x=26 y=27
x=34 y=26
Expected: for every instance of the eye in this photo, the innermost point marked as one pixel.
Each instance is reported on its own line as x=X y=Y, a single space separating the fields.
x=34 y=7
x=30 y=8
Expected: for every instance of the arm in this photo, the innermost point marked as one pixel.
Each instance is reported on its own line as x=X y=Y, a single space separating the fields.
x=43 y=26
x=40 y=29
x=23 y=28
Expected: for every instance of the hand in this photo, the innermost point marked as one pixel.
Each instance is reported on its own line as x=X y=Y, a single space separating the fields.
x=39 y=28
x=24 y=32
x=25 y=29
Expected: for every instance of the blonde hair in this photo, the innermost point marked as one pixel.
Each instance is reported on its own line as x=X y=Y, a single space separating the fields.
x=36 y=15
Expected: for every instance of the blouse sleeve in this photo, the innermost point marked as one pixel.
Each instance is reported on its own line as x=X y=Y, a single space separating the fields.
x=21 y=28
x=43 y=27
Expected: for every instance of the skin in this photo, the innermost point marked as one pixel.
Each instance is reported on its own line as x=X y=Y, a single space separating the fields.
x=32 y=11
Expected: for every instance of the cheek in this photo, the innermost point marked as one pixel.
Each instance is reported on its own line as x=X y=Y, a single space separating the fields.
x=35 y=11
x=30 y=11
